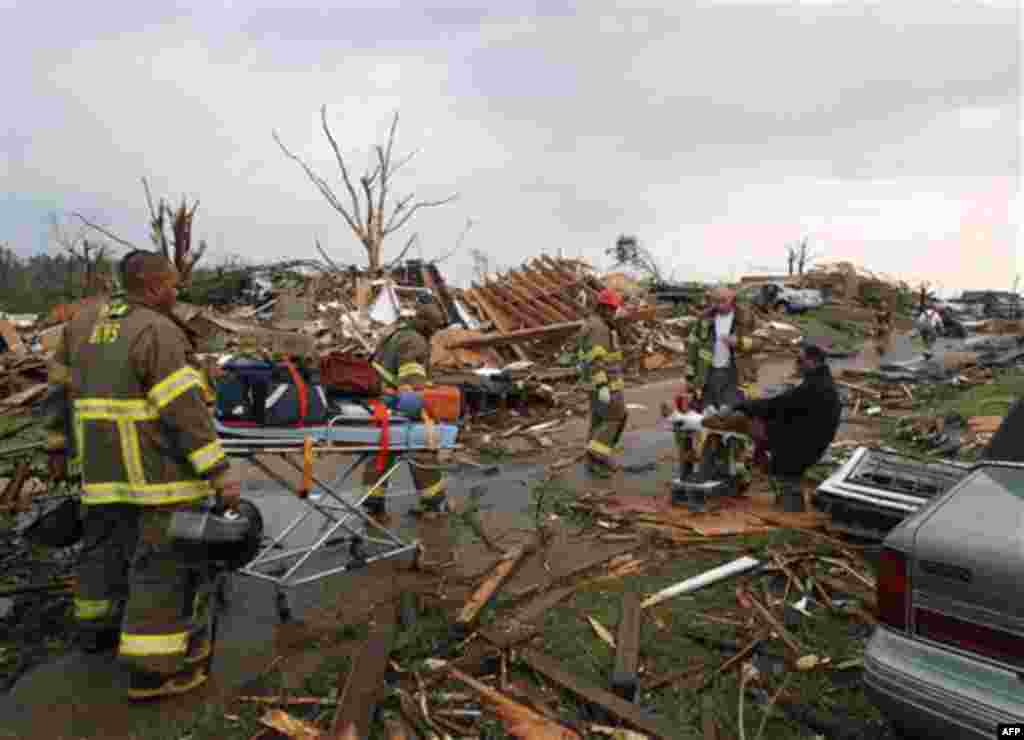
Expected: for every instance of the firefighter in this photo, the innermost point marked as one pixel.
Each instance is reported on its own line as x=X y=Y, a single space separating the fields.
x=402 y=361
x=720 y=367
x=601 y=365
x=135 y=428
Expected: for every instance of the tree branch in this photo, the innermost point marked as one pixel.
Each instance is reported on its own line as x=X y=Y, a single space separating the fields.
x=323 y=187
x=422 y=204
x=341 y=160
x=105 y=232
x=408 y=245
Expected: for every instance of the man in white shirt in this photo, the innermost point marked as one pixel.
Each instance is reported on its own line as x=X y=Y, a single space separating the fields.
x=717 y=346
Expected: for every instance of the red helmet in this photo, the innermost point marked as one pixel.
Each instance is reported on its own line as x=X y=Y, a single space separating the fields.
x=609 y=297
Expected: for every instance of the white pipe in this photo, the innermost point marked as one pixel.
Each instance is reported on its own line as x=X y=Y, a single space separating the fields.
x=704 y=579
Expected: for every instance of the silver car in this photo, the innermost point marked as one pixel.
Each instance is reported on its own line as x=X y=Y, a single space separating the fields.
x=947 y=659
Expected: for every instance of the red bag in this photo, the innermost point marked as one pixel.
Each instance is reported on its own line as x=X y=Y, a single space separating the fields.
x=346 y=373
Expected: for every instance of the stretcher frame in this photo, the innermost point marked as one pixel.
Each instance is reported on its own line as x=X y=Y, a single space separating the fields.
x=339 y=515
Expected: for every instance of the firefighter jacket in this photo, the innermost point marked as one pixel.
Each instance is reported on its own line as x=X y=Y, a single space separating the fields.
x=600 y=354
x=142 y=431
x=403 y=359
x=701 y=343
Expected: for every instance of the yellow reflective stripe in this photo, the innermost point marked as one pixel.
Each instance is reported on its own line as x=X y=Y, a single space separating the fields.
x=705 y=354
x=383 y=372
x=131 y=452
x=437 y=489
x=92 y=608
x=174 y=385
x=596 y=353
x=146 y=645
x=56 y=441
x=411 y=368
x=599 y=448
x=75 y=463
x=600 y=378
x=617 y=385
x=206 y=457
x=58 y=374
x=614 y=357
x=110 y=409
x=178 y=492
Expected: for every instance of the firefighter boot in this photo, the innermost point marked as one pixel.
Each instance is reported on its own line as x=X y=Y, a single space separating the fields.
x=145 y=685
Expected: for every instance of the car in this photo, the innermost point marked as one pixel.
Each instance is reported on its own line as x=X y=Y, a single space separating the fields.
x=783 y=297
x=947 y=657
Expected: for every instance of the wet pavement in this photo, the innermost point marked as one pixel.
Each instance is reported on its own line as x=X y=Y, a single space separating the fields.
x=79 y=696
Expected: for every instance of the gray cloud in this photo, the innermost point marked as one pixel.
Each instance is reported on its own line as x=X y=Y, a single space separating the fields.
x=559 y=128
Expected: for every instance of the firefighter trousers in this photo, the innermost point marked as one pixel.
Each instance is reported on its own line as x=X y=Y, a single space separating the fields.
x=607 y=423
x=431 y=483
x=131 y=579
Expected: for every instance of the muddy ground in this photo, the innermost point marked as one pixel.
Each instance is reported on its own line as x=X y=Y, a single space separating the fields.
x=72 y=696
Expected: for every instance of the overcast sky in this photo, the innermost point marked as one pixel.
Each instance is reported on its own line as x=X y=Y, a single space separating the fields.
x=888 y=133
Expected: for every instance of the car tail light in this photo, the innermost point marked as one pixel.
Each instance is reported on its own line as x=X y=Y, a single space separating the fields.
x=893 y=589
x=682 y=403
x=986 y=641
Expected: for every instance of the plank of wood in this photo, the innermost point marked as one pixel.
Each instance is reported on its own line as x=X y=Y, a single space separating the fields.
x=518 y=335
x=618 y=707
x=776 y=625
x=13 y=488
x=26 y=396
x=573 y=572
x=520 y=721
x=488 y=588
x=365 y=682
x=860 y=389
x=625 y=676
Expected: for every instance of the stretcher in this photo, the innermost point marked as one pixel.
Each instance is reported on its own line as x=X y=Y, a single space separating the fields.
x=343 y=537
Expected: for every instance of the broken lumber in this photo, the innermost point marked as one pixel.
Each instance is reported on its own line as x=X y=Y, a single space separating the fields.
x=772 y=621
x=704 y=579
x=12 y=490
x=364 y=684
x=860 y=389
x=519 y=335
x=520 y=721
x=493 y=582
x=616 y=706
x=625 y=677
x=292 y=727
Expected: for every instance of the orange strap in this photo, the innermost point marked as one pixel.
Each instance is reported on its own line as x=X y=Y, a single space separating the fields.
x=382 y=415
x=300 y=384
x=307 y=467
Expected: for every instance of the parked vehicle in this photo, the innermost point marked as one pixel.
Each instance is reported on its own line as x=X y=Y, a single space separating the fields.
x=782 y=297
x=947 y=657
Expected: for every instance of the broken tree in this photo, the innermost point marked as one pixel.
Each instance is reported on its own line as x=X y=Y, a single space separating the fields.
x=365 y=214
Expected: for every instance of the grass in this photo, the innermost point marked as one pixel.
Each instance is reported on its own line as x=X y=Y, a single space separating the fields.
x=568 y=637
x=844 y=335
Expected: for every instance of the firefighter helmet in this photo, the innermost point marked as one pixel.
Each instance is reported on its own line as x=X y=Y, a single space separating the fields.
x=609 y=297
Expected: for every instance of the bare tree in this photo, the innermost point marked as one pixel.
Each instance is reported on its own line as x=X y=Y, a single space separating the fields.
x=792 y=253
x=365 y=214
x=178 y=247
x=483 y=264
x=630 y=253
x=454 y=250
x=89 y=256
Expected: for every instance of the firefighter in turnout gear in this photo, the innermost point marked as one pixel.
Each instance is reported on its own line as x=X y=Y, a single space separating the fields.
x=601 y=365
x=402 y=361
x=144 y=445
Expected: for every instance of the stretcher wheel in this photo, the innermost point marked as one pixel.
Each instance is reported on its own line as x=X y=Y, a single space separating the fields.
x=284 y=610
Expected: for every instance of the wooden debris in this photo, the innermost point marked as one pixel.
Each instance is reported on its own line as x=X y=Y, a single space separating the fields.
x=488 y=588
x=619 y=708
x=625 y=676
x=772 y=621
x=292 y=727
x=671 y=678
x=24 y=397
x=365 y=681
x=519 y=720
x=288 y=700
x=12 y=490
x=704 y=579
x=602 y=632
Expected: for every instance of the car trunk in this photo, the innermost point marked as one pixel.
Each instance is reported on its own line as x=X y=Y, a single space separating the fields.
x=966 y=567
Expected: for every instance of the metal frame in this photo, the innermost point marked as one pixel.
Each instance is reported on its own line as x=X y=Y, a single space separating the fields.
x=339 y=516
